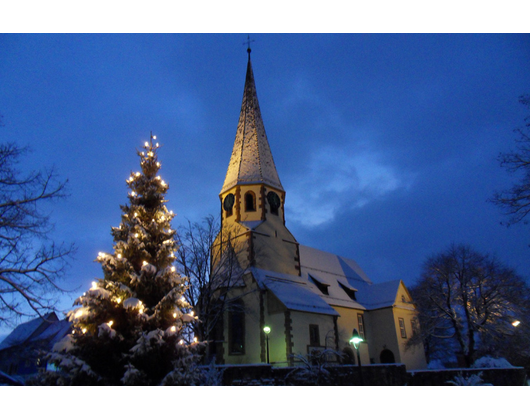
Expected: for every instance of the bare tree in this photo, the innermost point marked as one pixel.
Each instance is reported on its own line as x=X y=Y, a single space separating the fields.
x=213 y=269
x=516 y=200
x=471 y=300
x=30 y=263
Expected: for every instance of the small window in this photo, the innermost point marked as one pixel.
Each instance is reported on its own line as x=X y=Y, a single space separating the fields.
x=402 y=328
x=349 y=291
x=360 y=321
x=414 y=326
x=321 y=286
x=314 y=336
x=250 y=201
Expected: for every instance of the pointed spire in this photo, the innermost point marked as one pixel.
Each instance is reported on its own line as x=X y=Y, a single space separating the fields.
x=251 y=161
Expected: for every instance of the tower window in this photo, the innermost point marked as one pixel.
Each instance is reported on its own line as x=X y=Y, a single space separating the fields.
x=228 y=204
x=250 y=201
x=274 y=202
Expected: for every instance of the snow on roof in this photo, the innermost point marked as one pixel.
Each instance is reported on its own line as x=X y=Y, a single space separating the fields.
x=325 y=263
x=295 y=293
x=36 y=329
x=251 y=161
x=56 y=331
x=333 y=270
x=379 y=295
x=21 y=333
x=251 y=225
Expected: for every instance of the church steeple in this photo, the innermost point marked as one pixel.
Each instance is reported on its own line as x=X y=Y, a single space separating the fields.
x=253 y=199
x=251 y=161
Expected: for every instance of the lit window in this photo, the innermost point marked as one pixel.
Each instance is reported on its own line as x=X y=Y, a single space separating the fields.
x=402 y=328
x=360 y=321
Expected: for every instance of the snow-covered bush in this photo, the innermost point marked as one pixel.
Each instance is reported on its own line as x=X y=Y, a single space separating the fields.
x=472 y=380
x=490 y=362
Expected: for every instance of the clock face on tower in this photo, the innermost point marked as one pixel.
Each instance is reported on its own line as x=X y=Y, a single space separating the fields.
x=228 y=203
x=274 y=201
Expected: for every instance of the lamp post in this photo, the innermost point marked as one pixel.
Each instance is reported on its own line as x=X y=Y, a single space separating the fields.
x=267 y=331
x=355 y=340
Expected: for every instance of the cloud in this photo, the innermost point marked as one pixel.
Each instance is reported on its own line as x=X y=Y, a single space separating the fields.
x=336 y=178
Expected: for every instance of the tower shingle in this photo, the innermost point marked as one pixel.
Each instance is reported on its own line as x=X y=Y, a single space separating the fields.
x=251 y=161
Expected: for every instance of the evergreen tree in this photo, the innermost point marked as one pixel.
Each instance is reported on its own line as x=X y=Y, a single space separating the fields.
x=132 y=326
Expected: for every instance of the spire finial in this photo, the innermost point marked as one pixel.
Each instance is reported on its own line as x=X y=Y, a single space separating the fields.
x=248 y=45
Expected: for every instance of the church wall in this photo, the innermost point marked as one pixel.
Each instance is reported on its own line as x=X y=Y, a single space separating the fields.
x=381 y=333
x=346 y=322
x=291 y=328
x=413 y=358
x=275 y=253
x=277 y=342
x=275 y=319
x=271 y=246
x=250 y=295
x=301 y=336
x=275 y=247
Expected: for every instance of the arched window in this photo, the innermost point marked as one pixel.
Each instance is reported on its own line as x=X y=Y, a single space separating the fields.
x=250 y=201
x=274 y=202
x=228 y=204
x=387 y=356
x=236 y=328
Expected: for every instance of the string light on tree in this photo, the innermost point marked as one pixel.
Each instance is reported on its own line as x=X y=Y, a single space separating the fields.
x=137 y=313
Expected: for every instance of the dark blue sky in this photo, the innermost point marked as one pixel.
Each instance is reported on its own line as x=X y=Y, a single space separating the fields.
x=386 y=144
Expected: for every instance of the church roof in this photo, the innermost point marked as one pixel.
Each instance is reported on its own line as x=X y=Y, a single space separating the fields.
x=330 y=266
x=328 y=281
x=379 y=295
x=294 y=292
x=336 y=273
x=251 y=161
x=49 y=328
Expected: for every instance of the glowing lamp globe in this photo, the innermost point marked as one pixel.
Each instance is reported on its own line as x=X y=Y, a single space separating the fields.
x=267 y=330
x=356 y=339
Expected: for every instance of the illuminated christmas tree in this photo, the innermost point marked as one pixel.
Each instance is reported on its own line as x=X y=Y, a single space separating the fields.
x=132 y=326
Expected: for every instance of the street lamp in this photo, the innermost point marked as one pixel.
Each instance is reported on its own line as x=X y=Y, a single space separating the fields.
x=355 y=340
x=267 y=331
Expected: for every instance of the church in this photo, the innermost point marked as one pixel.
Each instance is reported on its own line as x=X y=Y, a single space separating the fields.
x=307 y=300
